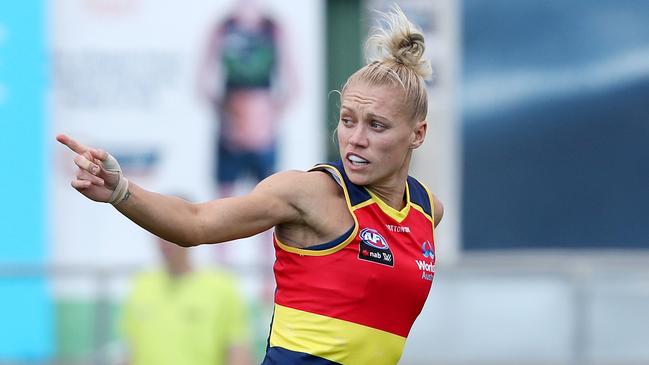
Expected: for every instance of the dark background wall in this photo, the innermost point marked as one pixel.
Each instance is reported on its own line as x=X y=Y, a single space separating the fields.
x=555 y=111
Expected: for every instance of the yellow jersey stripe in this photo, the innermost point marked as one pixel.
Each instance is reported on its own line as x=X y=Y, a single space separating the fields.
x=334 y=339
x=421 y=210
x=397 y=215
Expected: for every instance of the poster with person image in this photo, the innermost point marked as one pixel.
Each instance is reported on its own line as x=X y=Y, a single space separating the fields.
x=130 y=77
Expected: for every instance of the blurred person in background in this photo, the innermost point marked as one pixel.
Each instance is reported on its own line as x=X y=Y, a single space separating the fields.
x=178 y=315
x=247 y=78
x=354 y=240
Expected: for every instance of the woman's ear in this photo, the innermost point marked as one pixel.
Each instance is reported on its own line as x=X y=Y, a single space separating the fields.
x=418 y=134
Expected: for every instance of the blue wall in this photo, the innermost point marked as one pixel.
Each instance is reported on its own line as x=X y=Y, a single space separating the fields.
x=555 y=124
x=26 y=328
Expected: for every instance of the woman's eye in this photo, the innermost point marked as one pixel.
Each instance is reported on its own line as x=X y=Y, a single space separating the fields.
x=346 y=121
x=377 y=125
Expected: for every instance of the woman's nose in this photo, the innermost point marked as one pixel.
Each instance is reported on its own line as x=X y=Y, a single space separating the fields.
x=358 y=136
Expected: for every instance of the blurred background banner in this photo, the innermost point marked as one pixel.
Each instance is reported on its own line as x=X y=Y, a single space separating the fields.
x=126 y=79
x=25 y=308
x=123 y=77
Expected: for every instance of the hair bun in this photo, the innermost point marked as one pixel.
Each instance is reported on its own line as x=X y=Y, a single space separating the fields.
x=400 y=41
x=410 y=49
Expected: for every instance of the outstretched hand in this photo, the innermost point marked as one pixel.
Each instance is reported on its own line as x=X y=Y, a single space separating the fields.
x=96 y=176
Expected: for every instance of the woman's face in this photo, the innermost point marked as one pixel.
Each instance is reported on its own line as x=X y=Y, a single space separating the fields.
x=375 y=134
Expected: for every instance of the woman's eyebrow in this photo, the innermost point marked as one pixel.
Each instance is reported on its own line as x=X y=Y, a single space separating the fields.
x=369 y=115
x=379 y=117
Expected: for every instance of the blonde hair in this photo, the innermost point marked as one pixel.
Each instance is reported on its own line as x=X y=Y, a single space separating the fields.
x=399 y=61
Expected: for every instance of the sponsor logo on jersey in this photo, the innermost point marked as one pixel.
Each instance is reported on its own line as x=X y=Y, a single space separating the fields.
x=373 y=238
x=427 y=250
x=427 y=267
x=398 y=229
x=374 y=248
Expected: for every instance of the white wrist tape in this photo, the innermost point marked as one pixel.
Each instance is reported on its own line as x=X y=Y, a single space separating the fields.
x=111 y=165
x=120 y=191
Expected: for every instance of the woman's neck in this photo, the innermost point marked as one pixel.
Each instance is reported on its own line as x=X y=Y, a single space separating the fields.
x=392 y=191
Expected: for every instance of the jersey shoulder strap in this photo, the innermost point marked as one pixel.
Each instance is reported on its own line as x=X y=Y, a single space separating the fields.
x=357 y=194
x=420 y=196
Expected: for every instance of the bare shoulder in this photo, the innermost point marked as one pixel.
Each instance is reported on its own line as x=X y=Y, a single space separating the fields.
x=297 y=182
x=321 y=208
x=299 y=186
x=438 y=209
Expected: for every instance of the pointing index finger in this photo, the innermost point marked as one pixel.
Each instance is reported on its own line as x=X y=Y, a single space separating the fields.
x=101 y=155
x=71 y=144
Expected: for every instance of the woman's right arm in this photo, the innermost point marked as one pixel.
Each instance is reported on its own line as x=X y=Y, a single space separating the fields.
x=271 y=203
x=215 y=221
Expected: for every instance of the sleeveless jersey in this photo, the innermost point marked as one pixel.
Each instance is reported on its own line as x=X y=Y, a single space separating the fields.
x=248 y=56
x=354 y=300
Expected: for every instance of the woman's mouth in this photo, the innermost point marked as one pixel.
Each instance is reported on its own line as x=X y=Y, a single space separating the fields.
x=356 y=160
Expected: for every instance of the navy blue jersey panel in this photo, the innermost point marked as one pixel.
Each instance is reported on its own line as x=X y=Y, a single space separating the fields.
x=282 y=356
x=419 y=195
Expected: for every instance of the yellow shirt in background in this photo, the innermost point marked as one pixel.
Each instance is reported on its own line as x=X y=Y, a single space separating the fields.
x=191 y=320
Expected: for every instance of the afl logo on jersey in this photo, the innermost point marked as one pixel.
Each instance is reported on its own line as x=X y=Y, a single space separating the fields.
x=374 y=248
x=427 y=250
x=373 y=238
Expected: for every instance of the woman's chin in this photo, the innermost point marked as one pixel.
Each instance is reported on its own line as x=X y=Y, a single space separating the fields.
x=358 y=179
